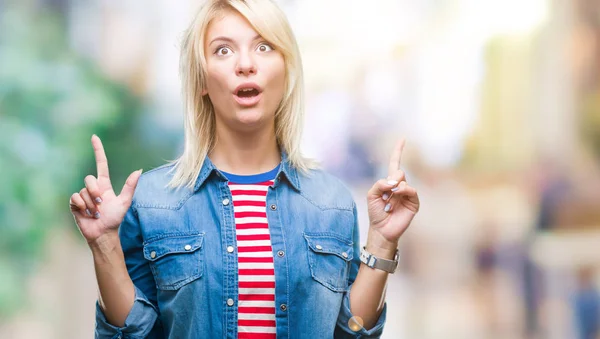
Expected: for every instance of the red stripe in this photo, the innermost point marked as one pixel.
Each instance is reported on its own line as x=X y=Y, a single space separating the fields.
x=254 y=248
x=252 y=225
x=249 y=192
x=257 y=271
x=254 y=271
x=257 y=284
x=261 y=310
x=252 y=322
x=265 y=183
x=246 y=335
x=250 y=214
x=254 y=237
x=242 y=203
x=255 y=259
x=256 y=297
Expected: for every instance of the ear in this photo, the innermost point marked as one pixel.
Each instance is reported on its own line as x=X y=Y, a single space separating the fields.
x=204 y=91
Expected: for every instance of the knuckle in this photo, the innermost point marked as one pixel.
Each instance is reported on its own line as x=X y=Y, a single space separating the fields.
x=83 y=191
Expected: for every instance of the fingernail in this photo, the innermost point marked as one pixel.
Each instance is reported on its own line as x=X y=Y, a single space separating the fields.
x=87 y=211
x=392 y=182
x=385 y=196
x=387 y=207
x=97 y=215
x=395 y=189
x=98 y=200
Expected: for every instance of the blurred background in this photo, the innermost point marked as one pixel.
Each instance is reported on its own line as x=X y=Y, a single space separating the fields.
x=499 y=102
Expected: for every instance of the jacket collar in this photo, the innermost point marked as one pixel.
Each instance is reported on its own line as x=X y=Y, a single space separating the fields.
x=286 y=170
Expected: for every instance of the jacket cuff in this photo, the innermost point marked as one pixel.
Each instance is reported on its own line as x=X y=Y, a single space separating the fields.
x=138 y=324
x=343 y=330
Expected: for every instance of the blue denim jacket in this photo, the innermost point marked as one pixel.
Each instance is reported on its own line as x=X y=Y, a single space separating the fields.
x=175 y=245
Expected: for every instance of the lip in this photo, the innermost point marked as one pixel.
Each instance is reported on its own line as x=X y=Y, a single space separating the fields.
x=249 y=101
x=247 y=85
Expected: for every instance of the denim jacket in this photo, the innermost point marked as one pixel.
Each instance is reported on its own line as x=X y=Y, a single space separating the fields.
x=175 y=245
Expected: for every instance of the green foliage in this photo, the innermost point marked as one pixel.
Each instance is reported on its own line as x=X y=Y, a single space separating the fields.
x=51 y=102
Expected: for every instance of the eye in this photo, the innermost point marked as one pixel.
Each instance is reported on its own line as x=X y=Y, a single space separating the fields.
x=264 y=47
x=223 y=51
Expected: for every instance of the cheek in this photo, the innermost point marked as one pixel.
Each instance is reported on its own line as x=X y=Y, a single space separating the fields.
x=216 y=85
x=278 y=80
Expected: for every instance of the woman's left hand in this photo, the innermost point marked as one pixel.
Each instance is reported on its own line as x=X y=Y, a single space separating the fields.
x=392 y=205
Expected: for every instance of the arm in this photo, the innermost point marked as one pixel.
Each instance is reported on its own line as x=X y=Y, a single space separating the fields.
x=127 y=302
x=392 y=205
x=367 y=294
x=116 y=291
x=110 y=226
x=365 y=297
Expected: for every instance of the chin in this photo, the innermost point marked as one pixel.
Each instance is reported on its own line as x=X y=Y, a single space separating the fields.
x=250 y=116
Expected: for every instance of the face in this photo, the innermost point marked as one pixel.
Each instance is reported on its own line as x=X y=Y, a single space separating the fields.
x=245 y=74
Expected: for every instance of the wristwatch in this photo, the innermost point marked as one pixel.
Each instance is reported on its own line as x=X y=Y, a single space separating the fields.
x=378 y=263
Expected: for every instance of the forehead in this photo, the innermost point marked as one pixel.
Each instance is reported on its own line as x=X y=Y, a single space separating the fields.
x=229 y=23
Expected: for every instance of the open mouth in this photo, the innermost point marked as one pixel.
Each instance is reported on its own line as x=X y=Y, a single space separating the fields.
x=247 y=92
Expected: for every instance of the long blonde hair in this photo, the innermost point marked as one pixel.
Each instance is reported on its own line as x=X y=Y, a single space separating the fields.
x=199 y=116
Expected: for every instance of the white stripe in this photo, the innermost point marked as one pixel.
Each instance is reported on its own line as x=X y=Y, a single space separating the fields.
x=256 y=316
x=256 y=329
x=243 y=277
x=249 y=209
x=256 y=303
x=246 y=197
x=251 y=220
x=256 y=291
x=246 y=187
x=246 y=243
x=264 y=254
x=262 y=265
x=251 y=231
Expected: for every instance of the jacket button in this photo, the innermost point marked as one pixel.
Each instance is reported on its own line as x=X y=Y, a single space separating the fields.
x=319 y=247
x=283 y=307
x=280 y=253
x=153 y=254
x=230 y=249
x=273 y=207
x=187 y=247
x=225 y=201
x=229 y=302
x=344 y=254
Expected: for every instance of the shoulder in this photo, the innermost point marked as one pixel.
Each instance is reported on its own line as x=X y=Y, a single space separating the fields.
x=152 y=190
x=325 y=190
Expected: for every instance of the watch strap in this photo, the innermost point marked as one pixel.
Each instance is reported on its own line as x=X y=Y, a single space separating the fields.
x=379 y=263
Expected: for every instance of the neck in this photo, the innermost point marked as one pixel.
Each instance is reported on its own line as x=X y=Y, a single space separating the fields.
x=245 y=153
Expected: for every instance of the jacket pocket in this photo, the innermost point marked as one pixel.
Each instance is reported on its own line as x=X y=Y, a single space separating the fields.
x=175 y=260
x=329 y=257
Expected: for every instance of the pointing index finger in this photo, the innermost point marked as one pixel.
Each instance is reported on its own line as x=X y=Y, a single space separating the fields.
x=396 y=157
x=101 y=161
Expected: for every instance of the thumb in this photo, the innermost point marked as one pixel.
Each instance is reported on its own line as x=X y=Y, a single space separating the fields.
x=129 y=187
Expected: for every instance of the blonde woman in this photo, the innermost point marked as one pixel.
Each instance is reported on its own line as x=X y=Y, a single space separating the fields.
x=241 y=236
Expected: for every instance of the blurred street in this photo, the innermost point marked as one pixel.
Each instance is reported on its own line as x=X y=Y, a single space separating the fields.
x=499 y=102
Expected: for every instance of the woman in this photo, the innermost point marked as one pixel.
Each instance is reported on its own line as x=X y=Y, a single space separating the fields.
x=241 y=236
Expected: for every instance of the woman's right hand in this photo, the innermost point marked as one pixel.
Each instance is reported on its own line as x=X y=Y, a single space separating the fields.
x=96 y=208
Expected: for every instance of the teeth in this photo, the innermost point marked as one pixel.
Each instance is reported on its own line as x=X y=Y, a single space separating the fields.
x=246 y=89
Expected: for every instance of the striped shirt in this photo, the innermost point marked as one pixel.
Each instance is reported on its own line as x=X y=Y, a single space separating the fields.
x=256 y=298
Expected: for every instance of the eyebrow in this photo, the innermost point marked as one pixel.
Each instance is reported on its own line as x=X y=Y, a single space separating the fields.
x=227 y=39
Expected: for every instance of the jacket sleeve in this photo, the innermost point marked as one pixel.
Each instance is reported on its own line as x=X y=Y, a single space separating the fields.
x=342 y=329
x=141 y=322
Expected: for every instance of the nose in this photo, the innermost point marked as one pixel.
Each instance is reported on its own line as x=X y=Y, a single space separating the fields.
x=245 y=65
